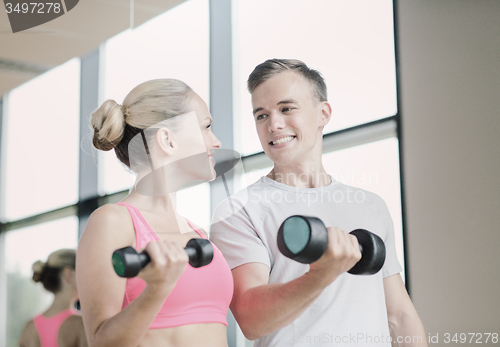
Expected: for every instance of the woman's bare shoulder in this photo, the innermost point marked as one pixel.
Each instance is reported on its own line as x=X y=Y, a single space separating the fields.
x=72 y=332
x=111 y=218
x=74 y=321
x=29 y=336
x=110 y=213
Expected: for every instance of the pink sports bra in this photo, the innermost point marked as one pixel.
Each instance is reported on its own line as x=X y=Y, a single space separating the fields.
x=48 y=327
x=201 y=295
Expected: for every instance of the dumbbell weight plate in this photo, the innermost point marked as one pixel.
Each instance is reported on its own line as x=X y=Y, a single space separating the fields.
x=302 y=239
x=127 y=262
x=373 y=250
x=200 y=252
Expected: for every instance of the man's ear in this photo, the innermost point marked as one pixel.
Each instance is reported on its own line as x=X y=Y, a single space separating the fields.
x=326 y=113
x=165 y=140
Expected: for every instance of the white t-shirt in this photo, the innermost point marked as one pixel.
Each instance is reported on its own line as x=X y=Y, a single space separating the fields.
x=351 y=311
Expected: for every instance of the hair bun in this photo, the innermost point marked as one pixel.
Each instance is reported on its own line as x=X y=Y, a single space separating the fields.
x=108 y=123
x=38 y=268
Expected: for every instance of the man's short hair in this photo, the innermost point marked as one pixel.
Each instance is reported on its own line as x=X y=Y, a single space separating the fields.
x=271 y=67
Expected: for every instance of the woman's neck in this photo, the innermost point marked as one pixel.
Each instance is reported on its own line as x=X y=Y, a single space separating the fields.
x=63 y=300
x=156 y=204
x=160 y=211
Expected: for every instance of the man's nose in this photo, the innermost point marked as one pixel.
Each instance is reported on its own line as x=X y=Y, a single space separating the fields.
x=276 y=122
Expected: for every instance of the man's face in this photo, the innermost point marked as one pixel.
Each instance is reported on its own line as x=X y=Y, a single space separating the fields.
x=289 y=119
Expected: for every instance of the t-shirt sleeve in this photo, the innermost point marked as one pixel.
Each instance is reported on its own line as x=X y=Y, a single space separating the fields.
x=391 y=265
x=236 y=237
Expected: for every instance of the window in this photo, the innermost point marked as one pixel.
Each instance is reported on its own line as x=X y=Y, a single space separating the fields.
x=41 y=144
x=350 y=42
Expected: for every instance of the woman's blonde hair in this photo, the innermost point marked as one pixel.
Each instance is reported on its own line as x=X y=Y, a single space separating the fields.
x=147 y=104
x=49 y=272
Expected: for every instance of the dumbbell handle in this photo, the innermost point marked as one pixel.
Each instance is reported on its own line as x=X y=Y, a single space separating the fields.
x=144 y=258
x=127 y=262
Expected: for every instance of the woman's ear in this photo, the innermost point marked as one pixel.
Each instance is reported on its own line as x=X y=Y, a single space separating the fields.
x=68 y=275
x=165 y=140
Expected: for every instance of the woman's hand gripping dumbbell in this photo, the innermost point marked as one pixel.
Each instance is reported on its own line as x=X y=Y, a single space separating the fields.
x=127 y=262
x=305 y=239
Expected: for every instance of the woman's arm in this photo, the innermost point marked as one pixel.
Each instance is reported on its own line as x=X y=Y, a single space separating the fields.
x=29 y=336
x=101 y=291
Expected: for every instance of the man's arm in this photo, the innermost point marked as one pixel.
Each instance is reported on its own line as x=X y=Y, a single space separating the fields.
x=262 y=308
x=404 y=323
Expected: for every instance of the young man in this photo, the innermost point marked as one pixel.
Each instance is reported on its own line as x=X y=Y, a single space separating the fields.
x=281 y=302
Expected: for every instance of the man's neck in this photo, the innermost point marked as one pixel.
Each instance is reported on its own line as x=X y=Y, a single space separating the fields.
x=301 y=178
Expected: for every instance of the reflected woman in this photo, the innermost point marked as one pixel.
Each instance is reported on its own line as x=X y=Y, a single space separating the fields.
x=60 y=325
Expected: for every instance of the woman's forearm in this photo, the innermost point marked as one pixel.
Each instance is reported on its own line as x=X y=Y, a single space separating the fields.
x=128 y=327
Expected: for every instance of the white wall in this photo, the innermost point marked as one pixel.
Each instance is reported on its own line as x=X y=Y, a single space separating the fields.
x=450 y=103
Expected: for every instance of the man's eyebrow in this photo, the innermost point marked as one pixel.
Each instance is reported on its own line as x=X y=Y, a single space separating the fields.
x=287 y=101
x=257 y=110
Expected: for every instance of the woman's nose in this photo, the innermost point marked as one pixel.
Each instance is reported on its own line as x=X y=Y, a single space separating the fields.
x=215 y=142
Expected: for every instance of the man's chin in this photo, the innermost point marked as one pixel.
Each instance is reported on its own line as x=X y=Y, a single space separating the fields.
x=280 y=159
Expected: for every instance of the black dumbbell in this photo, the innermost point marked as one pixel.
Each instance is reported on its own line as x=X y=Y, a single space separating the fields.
x=304 y=239
x=127 y=262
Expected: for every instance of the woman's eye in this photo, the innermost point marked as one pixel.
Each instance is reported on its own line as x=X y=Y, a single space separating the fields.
x=208 y=126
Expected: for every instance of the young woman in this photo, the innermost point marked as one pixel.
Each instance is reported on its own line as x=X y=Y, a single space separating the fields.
x=61 y=325
x=162 y=133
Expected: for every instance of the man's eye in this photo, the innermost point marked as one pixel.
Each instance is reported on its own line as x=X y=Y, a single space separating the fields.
x=260 y=116
x=286 y=109
x=208 y=126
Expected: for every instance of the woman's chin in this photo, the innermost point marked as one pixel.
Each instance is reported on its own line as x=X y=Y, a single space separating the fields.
x=206 y=176
x=214 y=175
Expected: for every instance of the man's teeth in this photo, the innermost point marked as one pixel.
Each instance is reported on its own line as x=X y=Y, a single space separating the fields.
x=283 y=140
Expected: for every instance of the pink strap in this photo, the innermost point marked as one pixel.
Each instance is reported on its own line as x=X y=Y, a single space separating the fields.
x=135 y=214
x=48 y=327
x=195 y=228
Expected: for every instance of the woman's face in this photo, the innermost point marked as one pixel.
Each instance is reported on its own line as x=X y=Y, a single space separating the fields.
x=205 y=122
x=187 y=148
x=196 y=140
